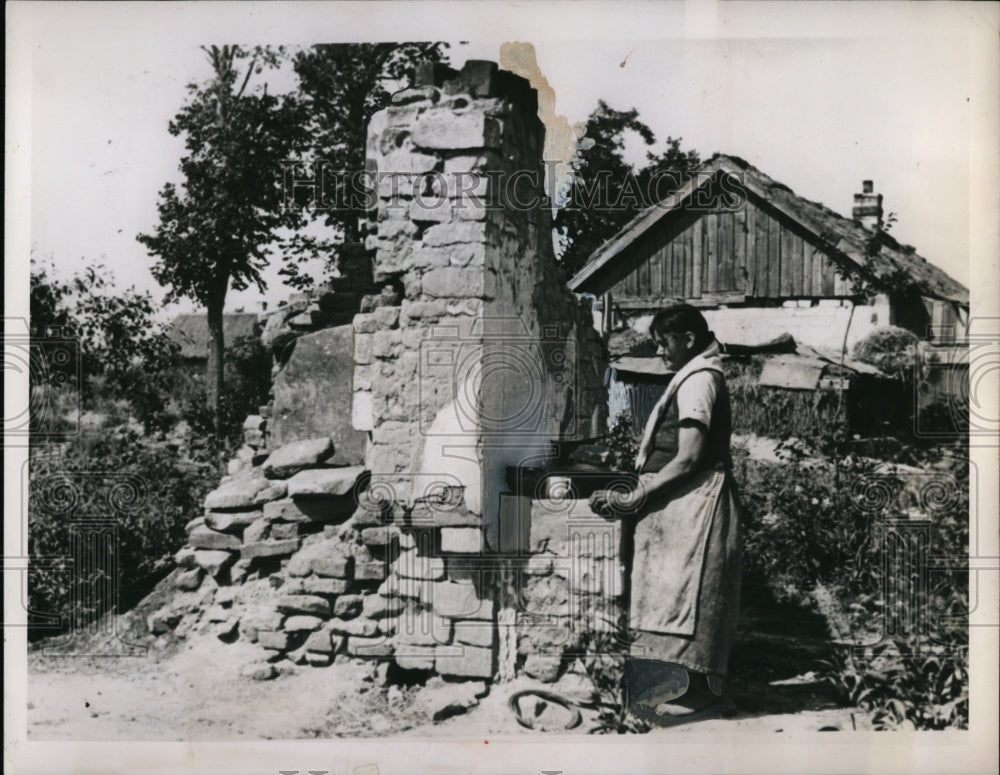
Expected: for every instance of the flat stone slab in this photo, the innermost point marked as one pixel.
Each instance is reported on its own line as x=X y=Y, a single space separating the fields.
x=313 y=395
x=336 y=508
x=269 y=549
x=324 y=482
x=440 y=699
x=213 y=561
x=232 y=521
x=472 y=662
x=288 y=460
x=237 y=493
x=204 y=537
x=304 y=604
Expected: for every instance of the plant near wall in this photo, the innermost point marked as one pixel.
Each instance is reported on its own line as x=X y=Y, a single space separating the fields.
x=78 y=480
x=815 y=544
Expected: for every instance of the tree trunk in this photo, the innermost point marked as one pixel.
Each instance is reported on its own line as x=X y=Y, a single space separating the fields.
x=216 y=353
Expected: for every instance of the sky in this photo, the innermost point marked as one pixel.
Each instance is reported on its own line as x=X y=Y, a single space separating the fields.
x=817 y=96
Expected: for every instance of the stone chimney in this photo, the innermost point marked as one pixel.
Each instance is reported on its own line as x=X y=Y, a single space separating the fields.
x=867 y=209
x=484 y=358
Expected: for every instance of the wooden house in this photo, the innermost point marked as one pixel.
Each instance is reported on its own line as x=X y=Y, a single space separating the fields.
x=763 y=263
x=733 y=239
x=190 y=332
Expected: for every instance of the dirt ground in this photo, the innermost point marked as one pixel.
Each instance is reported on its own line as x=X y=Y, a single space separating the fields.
x=198 y=693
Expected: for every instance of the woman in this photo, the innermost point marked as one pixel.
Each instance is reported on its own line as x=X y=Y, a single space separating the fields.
x=686 y=561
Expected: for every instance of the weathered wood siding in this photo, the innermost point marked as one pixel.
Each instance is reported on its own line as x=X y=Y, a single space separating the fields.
x=751 y=252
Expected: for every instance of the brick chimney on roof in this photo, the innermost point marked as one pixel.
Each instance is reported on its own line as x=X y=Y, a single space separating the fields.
x=867 y=209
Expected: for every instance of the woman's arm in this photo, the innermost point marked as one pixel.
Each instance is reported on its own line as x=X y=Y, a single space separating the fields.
x=690 y=446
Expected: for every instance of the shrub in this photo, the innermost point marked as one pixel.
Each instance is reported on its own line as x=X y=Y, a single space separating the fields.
x=892 y=350
x=148 y=491
x=816 y=532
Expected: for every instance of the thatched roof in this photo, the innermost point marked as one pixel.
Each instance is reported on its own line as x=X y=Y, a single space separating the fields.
x=844 y=237
x=191 y=331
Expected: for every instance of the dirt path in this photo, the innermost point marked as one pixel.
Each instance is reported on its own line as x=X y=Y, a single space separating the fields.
x=199 y=694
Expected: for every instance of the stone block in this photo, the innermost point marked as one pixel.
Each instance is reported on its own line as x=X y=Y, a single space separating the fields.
x=313 y=509
x=282 y=531
x=428 y=515
x=411 y=565
x=455 y=233
x=319 y=659
x=383 y=535
x=459 y=601
x=269 y=549
x=188 y=580
x=363 y=410
x=379 y=607
x=238 y=493
x=262 y=619
x=347 y=606
x=335 y=565
x=302 y=623
x=358 y=646
x=269 y=639
x=422 y=628
x=203 y=537
x=441 y=699
x=413 y=657
x=457 y=282
x=363 y=349
x=296 y=456
x=543 y=667
x=259 y=671
x=232 y=521
x=472 y=662
x=304 y=604
x=213 y=561
x=312 y=395
x=324 y=482
x=330 y=587
x=185 y=557
x=446 y=130
x=433 y=209
x=461 y=540
x=272 y=492
x=320 y=641
x=370 y=571
x=363 y=627
x=421 y=310
x=475 y=633
x=386 y=317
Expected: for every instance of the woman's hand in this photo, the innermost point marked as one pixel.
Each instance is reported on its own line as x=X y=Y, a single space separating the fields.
x=618 y=503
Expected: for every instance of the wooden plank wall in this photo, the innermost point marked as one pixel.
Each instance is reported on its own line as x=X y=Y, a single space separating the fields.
x=752 y=251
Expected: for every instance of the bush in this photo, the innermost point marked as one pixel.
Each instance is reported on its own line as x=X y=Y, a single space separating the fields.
x=891 y=350
x=144 y=487
x=817 y=533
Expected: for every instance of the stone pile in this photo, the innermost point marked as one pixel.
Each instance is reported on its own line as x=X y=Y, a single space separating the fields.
x=294 y=554
x=570 y=584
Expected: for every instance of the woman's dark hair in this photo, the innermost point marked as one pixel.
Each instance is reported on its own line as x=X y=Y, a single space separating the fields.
x=678 y=319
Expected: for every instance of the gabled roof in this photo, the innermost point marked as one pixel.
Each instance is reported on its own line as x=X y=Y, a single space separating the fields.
x=844 y=236
x=190 y=331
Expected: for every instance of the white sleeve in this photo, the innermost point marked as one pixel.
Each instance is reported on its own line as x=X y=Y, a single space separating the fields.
x=696 y=398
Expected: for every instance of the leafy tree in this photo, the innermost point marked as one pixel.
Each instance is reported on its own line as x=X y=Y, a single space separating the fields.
x=607 y=191
x=341 y=86
x=124 y=353
x=214 y=232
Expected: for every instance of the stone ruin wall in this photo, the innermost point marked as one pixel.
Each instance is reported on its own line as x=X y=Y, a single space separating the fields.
x=466 y=355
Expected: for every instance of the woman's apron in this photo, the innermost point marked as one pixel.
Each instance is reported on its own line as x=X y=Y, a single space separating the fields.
x=686 y=562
